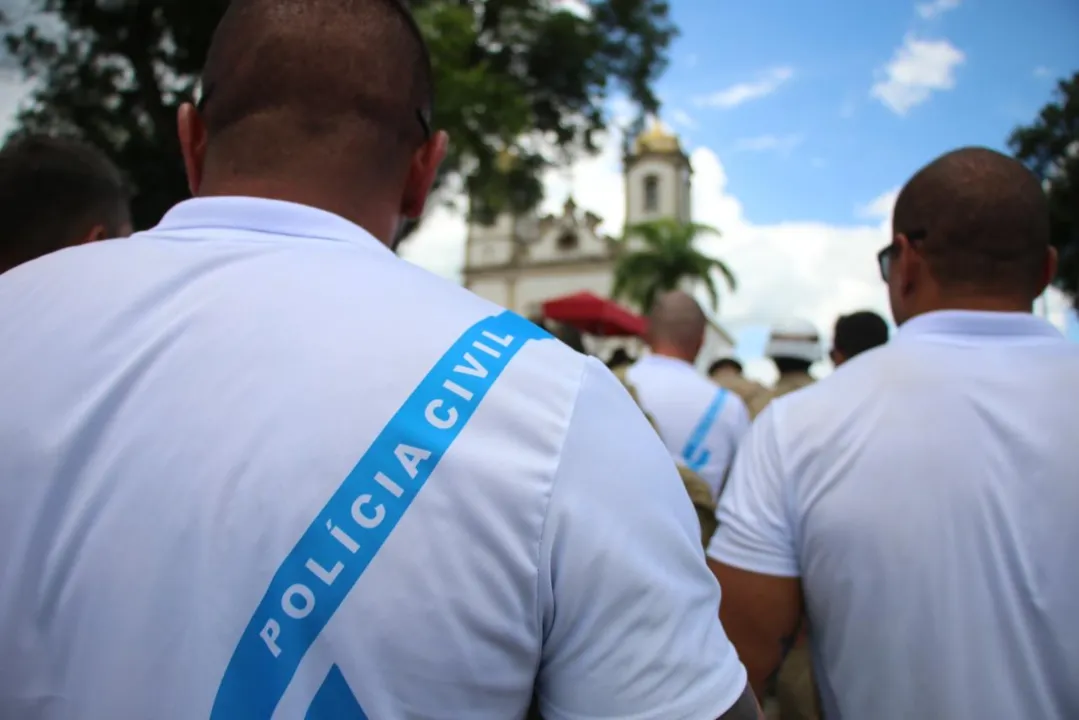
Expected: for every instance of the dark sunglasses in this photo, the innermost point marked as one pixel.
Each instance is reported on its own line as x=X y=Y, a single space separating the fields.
x=884 y=257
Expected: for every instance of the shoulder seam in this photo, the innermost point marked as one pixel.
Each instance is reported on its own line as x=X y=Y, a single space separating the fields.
x=554 y=475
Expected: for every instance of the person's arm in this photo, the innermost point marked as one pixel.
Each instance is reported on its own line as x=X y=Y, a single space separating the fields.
x=628 y=607
x=753 y=556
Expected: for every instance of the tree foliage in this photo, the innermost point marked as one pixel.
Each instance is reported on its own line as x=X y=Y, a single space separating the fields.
x=667 y=257
x=1050 y=148
x=514 y=78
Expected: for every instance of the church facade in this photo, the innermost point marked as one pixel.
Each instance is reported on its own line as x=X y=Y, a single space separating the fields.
x=522 y=262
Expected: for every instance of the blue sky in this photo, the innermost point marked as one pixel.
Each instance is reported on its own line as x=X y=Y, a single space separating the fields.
x=802 y=120
x=835 y=145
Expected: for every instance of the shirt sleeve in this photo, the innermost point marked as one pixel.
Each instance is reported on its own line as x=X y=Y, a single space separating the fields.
x=739 y=417
x=755 y=531
x=630 y=610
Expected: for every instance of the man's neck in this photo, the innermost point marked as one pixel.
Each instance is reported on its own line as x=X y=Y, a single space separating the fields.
x=976 y=303
x=672 y=352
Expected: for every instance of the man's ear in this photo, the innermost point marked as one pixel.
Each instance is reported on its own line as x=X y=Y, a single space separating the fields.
x=192 y=132
x=1049 y=272
x=907 y=265
x=422 y=173
x=97 y=232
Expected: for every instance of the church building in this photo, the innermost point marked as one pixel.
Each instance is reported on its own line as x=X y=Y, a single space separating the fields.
x=521 y=262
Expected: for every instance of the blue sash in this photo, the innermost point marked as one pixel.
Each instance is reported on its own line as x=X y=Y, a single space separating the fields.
x=317 y=575
x=697 y=457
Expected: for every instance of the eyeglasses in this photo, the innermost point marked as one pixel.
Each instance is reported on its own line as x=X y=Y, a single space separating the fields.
x=884 y=257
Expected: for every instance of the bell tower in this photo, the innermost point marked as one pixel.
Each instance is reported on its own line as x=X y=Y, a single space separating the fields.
x=658 y=178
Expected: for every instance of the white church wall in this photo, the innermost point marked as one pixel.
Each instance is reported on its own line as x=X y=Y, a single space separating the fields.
x=491 y=245
x=497 y=290
x=551 y=246
x=485 y=253
x=535 y=287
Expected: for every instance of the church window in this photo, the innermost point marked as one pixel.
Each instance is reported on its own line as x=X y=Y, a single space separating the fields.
x=567 y=241
x=651 y=193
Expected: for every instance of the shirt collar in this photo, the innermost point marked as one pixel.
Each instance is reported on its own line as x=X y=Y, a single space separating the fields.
x=667 y=360
x=262 y=215
x=981 y=324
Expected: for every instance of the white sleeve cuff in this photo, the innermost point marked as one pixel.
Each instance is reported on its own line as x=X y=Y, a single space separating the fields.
x=727 y=548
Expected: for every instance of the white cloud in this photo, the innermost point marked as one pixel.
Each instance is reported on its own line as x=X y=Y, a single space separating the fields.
x=735 y=95
x=918 y=68
x=931 y=10
x=681 y=117
x=880 y=208
x=763 y=143
x=1055 y=307
x=1042 y=72
x=13 y=93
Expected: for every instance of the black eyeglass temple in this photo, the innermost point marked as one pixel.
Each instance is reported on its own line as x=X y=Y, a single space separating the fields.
x=425 y=124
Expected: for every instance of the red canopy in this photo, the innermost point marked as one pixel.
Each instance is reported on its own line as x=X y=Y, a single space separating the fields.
x=594 y=315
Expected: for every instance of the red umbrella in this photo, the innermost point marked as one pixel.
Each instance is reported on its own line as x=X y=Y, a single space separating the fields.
x=594 y=315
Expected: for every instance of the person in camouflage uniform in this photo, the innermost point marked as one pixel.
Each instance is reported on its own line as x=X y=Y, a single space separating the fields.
x=727 y=373
x=793 y=346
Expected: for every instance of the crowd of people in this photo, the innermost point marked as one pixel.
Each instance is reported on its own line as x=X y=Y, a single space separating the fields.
x=254 y=465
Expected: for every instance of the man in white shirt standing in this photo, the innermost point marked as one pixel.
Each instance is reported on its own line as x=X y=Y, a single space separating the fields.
x=700 y=422
x=922 y=503
x=253 y=465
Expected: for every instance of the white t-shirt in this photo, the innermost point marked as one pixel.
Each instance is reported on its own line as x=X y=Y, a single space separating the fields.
x=927 y=493
x=700 y=422
x=252 y=464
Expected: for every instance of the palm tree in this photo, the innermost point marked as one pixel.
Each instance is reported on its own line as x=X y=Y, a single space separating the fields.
x=668 y=257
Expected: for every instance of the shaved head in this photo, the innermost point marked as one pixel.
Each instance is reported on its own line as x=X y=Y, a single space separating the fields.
x=301 y=81
x=982 y=221
x=677 y=324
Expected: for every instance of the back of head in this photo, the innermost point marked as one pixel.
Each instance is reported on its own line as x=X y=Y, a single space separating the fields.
x=315 y=90
x=981 y=222
x=676 y=325
x=793 y=345
x=858 y=332
x=727 y=366
x=55 y=193
x=619 y=358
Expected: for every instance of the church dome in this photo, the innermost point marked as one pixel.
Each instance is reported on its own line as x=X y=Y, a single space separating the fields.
x=657 y=139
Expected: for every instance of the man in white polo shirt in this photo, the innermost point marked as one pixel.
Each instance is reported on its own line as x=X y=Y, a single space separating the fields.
x=253 y=465
x=700 y=422
x=922 y=502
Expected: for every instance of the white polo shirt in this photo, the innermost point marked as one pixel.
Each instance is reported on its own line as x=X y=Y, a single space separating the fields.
x=927 y=493
x=253 y=465
x=700 y=422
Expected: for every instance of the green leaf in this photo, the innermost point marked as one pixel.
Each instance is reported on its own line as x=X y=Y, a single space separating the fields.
x=669 y=255
x=1049 y=146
